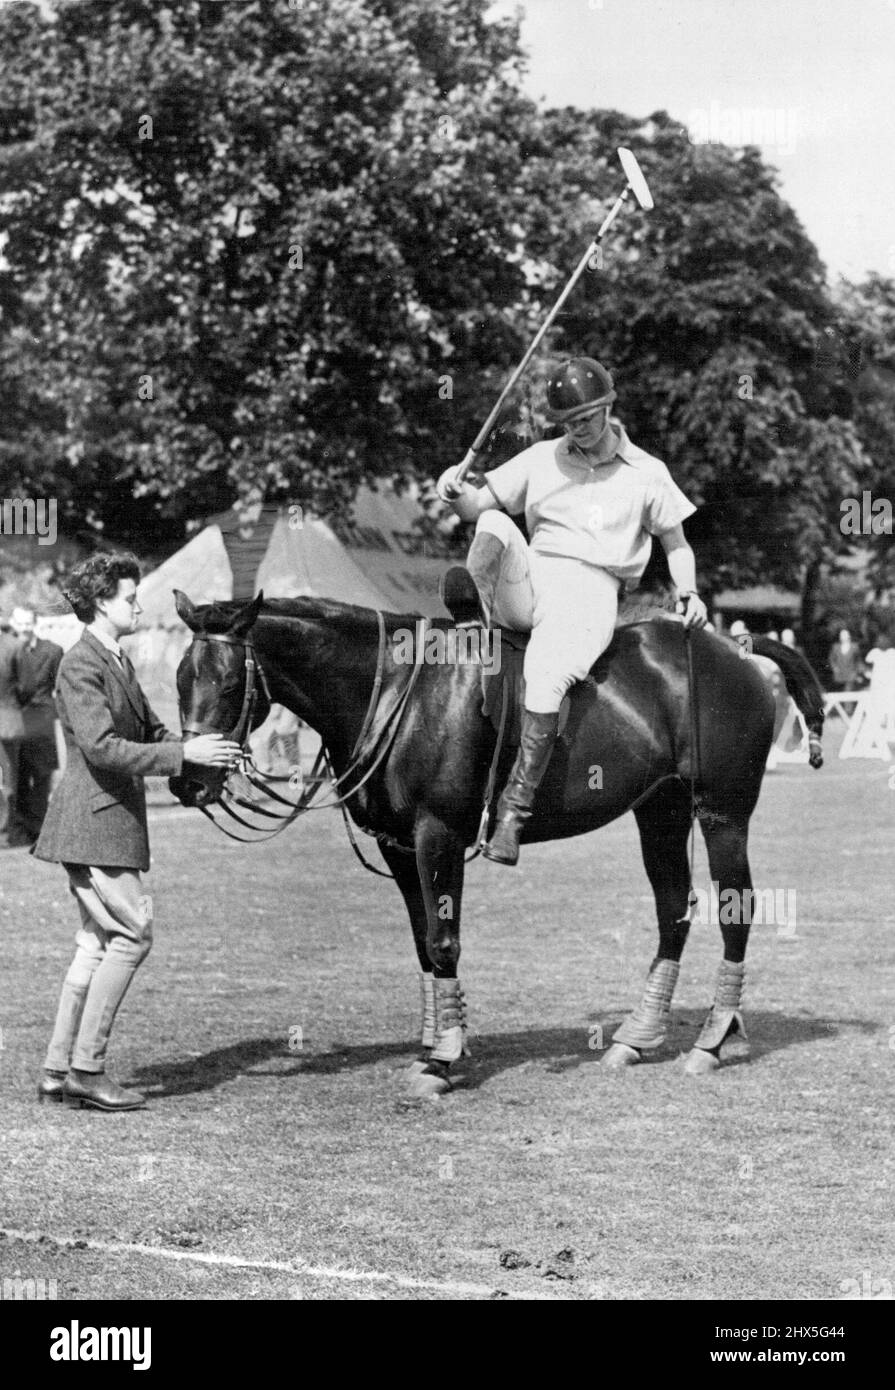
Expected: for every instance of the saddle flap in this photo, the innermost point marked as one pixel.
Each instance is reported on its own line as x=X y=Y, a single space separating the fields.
x=508 y=669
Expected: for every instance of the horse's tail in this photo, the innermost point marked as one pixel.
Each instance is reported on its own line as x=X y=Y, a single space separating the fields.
x=804 y=687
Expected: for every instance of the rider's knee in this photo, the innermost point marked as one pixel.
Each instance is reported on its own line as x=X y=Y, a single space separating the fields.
x=494 y=523
x=545 y=692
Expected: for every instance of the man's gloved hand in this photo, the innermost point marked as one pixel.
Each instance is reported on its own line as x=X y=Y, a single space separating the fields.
x=447 y=488
x=692 y=609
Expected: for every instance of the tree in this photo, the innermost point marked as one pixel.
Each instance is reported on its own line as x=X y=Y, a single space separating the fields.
x=273 y=249
x=252 y=249
x=710 y=309
x=864 y=363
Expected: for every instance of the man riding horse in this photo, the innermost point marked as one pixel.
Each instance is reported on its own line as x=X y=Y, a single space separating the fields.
x=592 y=502
x=681 y=726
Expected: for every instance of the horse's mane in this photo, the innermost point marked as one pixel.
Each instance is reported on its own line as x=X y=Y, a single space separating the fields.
x=357 y=619
x=310 y=608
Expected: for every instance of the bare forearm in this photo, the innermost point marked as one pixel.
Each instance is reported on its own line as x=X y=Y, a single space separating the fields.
x=682 y=568
x=467 y=504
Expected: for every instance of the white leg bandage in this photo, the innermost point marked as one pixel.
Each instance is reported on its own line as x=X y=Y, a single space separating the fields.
x=427 y=1001
x=450 y=1021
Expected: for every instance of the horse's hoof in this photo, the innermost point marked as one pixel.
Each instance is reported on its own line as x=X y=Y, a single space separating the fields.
x=735 y=1048
x=426 y=1084
x=620 y=1055
x=701 y=1063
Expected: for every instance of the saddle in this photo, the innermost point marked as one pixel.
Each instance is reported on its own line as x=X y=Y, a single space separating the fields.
x=507 y=671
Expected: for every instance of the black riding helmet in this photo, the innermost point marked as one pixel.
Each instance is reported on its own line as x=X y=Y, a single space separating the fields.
x=576 y=386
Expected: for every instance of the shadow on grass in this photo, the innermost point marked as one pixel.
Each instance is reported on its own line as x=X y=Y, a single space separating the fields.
x=212 y=1069
x=560 y=1049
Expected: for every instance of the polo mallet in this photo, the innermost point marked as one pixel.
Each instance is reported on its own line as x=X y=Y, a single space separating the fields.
x=637 y=185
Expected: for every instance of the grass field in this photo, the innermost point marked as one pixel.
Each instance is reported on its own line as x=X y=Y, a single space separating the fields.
x=262 y=1171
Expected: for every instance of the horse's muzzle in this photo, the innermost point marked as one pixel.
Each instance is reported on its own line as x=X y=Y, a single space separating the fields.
x=191 y=792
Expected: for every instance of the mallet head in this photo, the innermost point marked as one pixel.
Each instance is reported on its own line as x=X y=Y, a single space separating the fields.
x=636 y=182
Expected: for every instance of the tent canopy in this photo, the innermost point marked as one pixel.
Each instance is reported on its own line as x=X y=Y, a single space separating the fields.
x=381 y=560
x=762 y=599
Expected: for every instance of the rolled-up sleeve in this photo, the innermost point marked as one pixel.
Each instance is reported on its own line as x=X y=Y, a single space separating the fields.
x=666 y=505
x=509 y=482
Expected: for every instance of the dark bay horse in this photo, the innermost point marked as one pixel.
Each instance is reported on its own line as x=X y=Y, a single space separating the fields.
x=634 y=739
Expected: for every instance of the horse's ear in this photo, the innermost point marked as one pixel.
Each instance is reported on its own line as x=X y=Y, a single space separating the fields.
x=186 y=609
x=246 y=617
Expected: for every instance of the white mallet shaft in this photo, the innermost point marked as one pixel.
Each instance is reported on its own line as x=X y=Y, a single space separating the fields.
x=636 y=183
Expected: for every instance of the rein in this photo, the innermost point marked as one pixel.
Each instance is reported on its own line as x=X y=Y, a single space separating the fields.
x=243 y=727
x=483 y=822
x=384 y=740
x=694 y=757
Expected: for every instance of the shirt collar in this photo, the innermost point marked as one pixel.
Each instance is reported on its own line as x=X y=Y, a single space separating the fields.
x=108 y=642
x=625 y=451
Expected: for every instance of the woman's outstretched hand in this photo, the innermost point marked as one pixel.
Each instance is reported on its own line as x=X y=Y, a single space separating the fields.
x=211 y=750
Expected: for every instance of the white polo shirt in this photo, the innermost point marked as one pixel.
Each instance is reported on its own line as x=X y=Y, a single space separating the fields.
x=604 y=515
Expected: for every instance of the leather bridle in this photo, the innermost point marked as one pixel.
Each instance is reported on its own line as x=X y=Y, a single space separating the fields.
x=385 y=736
x=379 y=750
x=254 y=675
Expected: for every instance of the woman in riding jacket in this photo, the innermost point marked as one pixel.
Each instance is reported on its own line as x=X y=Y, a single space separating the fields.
x=96 y=826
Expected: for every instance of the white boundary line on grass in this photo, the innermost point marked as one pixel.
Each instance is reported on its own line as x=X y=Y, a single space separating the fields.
x=295 y=1267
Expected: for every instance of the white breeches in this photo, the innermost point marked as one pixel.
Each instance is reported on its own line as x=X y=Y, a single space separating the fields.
x=568 y=606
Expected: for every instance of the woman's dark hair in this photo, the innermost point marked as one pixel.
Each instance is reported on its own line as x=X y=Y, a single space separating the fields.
x=98 y=577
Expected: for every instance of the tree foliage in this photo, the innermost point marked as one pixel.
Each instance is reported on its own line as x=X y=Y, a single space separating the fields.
x=711 y=309
x=862 y=348
x=245 y=243
x=273 y=249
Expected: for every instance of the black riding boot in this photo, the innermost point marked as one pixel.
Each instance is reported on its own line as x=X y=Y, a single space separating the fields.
x=467 y=591
x=514 y=808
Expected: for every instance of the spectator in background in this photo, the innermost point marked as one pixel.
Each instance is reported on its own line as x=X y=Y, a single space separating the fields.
x=12 y=729
x=741 y=635
x=275 y=745
x=881 y=695
x=37 y=663
x=845 y=662
x=880 y=661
